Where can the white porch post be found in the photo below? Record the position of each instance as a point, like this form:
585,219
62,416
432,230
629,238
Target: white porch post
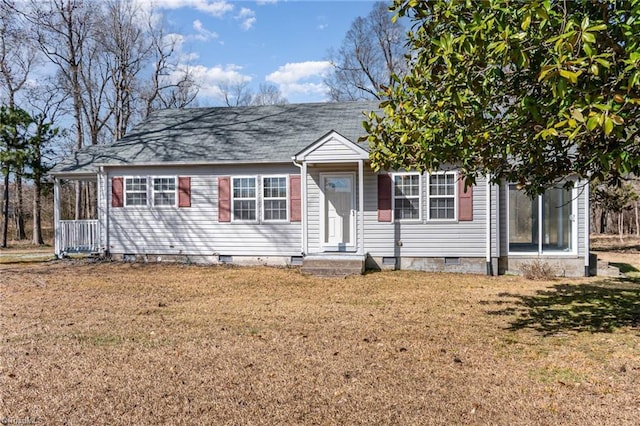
305,221
56,217
361,206
102,211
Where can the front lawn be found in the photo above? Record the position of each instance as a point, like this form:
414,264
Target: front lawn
100,343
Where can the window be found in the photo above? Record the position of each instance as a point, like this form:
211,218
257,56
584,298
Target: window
541,224
442,196
274,198
406,196
164,191
244,199
135,191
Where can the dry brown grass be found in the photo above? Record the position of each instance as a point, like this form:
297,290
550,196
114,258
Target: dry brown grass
168,344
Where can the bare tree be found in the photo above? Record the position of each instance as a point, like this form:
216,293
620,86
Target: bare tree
18,56
47,103
268,94
62,30
170,86
371,52
127,48
236,93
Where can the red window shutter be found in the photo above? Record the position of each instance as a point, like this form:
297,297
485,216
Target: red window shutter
295,199
117,192
184,191
384,198
224,199
465,202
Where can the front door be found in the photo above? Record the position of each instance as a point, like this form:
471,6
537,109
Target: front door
338,211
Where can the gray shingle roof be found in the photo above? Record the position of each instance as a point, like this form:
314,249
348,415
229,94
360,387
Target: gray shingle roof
223,135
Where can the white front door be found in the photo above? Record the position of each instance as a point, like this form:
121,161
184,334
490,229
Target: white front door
338,211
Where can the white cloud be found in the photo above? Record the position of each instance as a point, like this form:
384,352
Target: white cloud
322,26
263,2
216,8
294,72
301,78
248,18
203,34
209,79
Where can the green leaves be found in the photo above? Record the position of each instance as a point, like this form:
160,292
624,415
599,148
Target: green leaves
529,94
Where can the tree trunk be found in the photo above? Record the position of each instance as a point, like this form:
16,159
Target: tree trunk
621,226
603,221
637,220
5,213
37,210
19,211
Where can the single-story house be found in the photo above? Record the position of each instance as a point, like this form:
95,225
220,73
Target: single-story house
292,185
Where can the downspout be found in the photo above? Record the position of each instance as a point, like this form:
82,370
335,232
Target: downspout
303,203
361,206
587,219
488,230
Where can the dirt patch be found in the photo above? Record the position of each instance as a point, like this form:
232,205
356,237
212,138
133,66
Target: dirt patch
87,343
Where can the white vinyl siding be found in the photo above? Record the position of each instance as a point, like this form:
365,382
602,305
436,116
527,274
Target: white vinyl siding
196,230
333,149
425,238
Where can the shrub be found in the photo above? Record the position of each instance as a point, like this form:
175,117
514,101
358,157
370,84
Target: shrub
537,270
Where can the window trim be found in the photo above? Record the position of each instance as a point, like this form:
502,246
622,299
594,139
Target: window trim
125,191
419,197
454,196
285,198
153,191
540,252
255,198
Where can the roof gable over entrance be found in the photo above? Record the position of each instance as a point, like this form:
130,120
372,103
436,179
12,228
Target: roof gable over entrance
332,147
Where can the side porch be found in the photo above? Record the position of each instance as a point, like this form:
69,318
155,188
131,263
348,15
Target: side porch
77,235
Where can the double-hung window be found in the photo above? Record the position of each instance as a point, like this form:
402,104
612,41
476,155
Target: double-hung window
442,196
406,196
244,204
274,198
164,191
543,223
135,191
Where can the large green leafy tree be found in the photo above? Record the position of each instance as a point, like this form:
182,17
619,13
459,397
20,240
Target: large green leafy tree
530,92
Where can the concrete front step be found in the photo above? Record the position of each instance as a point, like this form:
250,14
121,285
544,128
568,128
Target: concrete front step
607,270
333,266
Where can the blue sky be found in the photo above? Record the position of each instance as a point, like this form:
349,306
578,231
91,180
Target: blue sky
280,42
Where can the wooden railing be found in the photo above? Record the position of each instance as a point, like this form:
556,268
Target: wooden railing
78,236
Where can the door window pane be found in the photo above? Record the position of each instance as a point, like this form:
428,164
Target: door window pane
557,213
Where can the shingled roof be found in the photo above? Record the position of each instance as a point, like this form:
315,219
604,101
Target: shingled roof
262,134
